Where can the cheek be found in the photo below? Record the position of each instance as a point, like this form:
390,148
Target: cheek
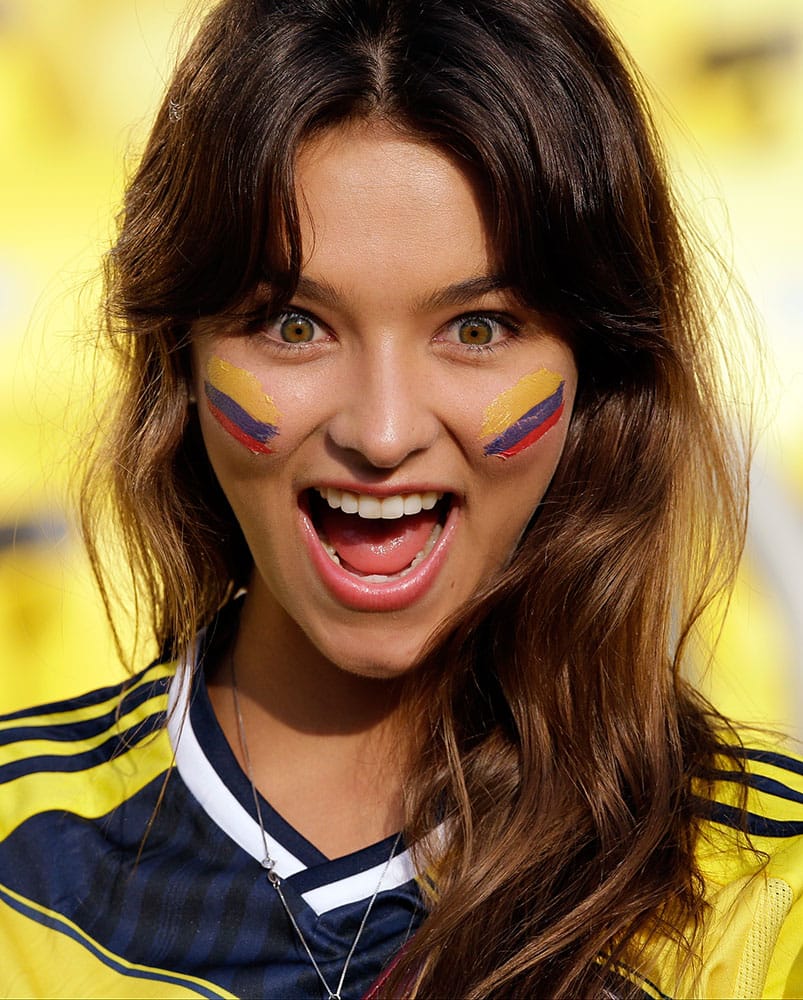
520,416
237,401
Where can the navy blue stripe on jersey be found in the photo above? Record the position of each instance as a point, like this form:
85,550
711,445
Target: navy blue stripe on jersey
751,823
773,787
351,864
96,697
116,744
54,923
73,729
761,783
770,757
87,729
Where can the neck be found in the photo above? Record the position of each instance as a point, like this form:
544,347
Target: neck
326,746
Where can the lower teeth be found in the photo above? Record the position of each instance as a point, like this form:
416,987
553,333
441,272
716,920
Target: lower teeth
379,577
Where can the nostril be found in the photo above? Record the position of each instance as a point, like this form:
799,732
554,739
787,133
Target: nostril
379,442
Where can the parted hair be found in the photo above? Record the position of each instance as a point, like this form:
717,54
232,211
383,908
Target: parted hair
562,753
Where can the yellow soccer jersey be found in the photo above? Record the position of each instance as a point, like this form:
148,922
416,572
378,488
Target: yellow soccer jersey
751,944
115,882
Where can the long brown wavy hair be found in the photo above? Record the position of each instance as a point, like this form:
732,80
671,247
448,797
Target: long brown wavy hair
560,740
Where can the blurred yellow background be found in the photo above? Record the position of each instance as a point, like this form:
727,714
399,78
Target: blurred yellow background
79,80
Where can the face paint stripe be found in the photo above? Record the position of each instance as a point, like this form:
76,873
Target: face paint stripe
512,440
252,444
516,402
523,427
244,387
249,425
533,436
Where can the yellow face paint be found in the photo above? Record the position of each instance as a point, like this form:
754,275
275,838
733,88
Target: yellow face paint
240,405
521,415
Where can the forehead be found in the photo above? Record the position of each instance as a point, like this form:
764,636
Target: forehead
387,212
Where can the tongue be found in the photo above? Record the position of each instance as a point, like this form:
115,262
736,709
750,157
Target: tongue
377,546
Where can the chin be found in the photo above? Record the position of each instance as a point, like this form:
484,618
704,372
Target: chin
376,656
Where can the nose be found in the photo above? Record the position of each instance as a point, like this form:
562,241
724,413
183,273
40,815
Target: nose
389,411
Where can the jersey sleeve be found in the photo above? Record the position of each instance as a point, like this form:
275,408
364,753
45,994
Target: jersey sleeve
785,966
752,863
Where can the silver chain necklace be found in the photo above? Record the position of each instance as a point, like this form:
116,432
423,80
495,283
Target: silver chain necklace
269,864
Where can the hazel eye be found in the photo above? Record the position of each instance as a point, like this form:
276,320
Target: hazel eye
478,334
297,330
476,331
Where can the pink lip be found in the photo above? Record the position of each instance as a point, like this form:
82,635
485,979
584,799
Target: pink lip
392,595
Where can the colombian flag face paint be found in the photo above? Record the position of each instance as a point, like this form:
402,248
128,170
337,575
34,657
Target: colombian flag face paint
236,400
522,415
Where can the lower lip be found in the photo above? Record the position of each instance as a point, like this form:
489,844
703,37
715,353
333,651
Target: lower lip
390,595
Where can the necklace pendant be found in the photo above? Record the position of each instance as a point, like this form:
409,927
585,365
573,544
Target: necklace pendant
270,870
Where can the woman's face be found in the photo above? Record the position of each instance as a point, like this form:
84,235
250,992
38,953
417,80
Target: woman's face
383,441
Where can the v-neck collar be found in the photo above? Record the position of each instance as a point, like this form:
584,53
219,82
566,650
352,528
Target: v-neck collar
209,769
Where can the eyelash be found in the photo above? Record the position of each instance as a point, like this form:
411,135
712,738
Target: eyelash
508,325
259,323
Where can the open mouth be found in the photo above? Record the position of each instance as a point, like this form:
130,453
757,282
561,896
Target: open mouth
378,539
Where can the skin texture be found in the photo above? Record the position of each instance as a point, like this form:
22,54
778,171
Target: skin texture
384,399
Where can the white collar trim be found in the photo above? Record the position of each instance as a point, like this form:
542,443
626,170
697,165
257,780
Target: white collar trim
207,787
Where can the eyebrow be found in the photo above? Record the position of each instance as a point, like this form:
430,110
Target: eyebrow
461,292
457,294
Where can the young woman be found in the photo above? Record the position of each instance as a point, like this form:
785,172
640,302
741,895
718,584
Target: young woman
424,479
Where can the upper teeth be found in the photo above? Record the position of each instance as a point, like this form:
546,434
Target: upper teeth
374,507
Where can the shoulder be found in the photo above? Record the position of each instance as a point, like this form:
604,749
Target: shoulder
750,854
80,782
70,755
